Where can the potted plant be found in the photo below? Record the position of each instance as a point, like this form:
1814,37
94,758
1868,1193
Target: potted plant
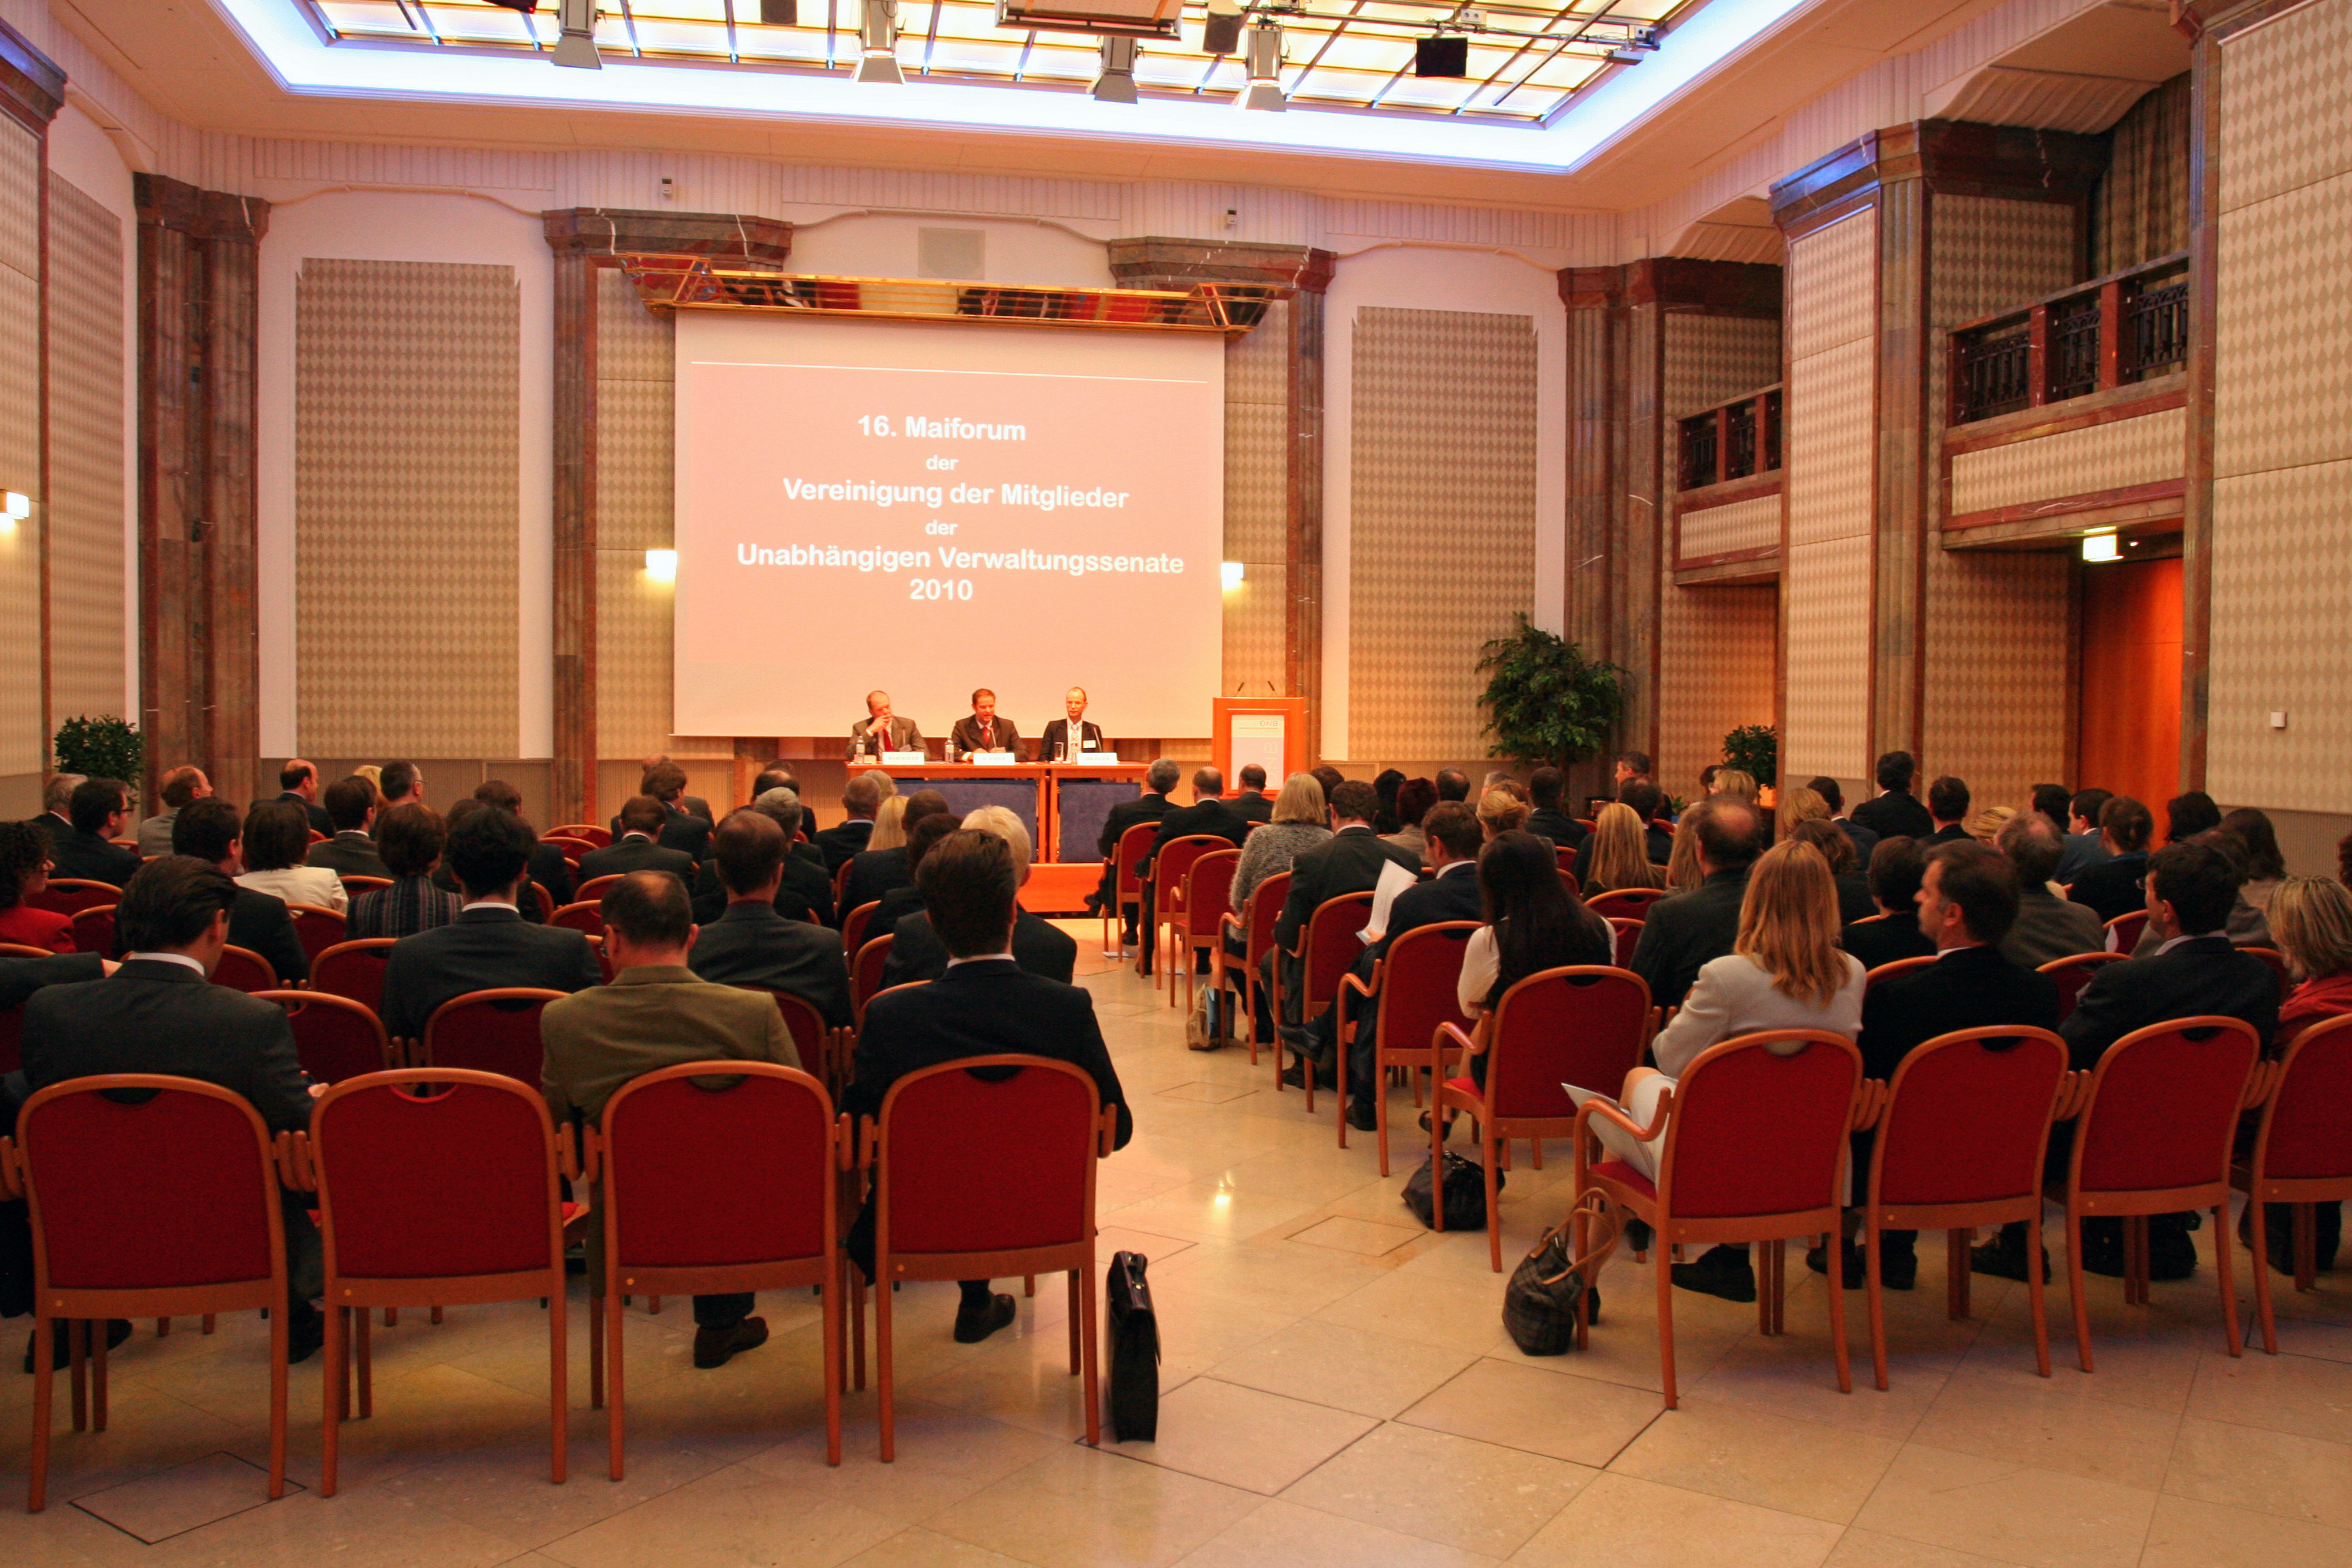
104,747
1754,750
1545,700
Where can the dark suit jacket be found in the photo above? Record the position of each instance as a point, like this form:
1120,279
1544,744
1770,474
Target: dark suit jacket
1146,807
551,870
159,1017
872,873
2204,975
1251,805
1877,941
806,893
1897,814
1682,934
481,950
891,909
982,1008
1557,826
259,923
965,737
1854,902
1660,841
842,840
905,735
636,853
1865,840
1968,988
1038,947
20,977
1951,833
92,858
2112,887
752,944
350,853
1349,861
1209,817
1049,746
320,821
1450,895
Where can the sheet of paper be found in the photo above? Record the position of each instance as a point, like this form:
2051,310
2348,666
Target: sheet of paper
1395,879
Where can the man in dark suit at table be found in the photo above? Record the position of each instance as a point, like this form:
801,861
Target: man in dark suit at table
489,944
1039,947
209,831
882,731
1349,861
1151,807
1896,813
351,852
752,942
874,872
1252,804
1068,739
985,730
98,807
1682,934
1209,815
861,797
984,1004
638,847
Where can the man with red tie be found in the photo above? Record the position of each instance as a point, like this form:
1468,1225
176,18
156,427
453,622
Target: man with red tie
985,730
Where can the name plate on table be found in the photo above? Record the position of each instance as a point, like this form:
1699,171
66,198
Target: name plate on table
994,759
1090,757
904,758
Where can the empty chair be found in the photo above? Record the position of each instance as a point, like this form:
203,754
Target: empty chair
1412,991
2073,972
494,1031
335,1037
1327,945
854,925
2302,1152
354,969
826,1053
66,895
1628,938
1195,925
573,847
586,916
2124,931
587,832
593,891
2277,960
1127,887
1894,969
354,886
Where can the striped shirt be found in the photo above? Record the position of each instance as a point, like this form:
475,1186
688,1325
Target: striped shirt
410,905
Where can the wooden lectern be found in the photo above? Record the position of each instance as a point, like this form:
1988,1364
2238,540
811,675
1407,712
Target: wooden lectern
1269,731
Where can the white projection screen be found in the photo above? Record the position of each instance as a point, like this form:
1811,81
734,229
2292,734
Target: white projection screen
928,509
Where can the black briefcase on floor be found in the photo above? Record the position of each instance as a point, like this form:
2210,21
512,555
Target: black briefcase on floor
1134,1351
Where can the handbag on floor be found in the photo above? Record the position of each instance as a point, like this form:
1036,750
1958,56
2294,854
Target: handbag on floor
1539,1303
1134,1351
1465,1193
1205,1029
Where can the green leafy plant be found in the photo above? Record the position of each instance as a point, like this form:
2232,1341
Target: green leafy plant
1545,702
1754,750
105,747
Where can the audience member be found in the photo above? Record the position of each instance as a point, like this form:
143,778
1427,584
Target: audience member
1349,861
208,830
2085,845
1894,811
1628,765
875,870
1897,868
353,851
1532,925
807,891
1385,784
908,899
637,847
157,1014
2258,847
861,797
2312,919
1832,796
373,773
1038,946
2245,927
1986,824
2046,927
399,783
1799,804
2053,802
489,944
1252,803
1151,807
1545,788
1208,815
983,1004
1739,785
549,868
2187,816
1706,777
2112,887
410,838
298,784
1947,804
1649,803
1329,777
1298,826
180,785
98,807
1453,783
752,942
276,840
57,805
1414,798
1853,883
686,819
1682,935
1682,871
1616,853
889,827
655,1014
24,876
1500,811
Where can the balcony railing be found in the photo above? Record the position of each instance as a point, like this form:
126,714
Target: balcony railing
2108,333
1734,441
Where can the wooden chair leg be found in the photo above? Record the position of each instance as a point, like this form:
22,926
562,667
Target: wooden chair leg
436,1315
2074,1286
44,1387
1763,1271
392,1317
1436,1160
1091,1351
1494,1200
1028,1284
208,1322
653,1306
1876,1291
1957,1244
2037,1293
1076,1287
280,1373
362,1337
78,1358
856,1325
333,1396
2223,1265
1837,1310
1380,1117
596,1353
605,1321
885,1392
98,1374
2258,1233
831,1309
2306,1246
558,1372
1666,1331
163,1327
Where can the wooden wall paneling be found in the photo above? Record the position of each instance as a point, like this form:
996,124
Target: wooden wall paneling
1599,409
87,434
1900,458
2197,463
32,89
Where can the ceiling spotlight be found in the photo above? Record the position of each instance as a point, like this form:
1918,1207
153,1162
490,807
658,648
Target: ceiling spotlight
577,46
1115,83
1264,59
1221,33
877,34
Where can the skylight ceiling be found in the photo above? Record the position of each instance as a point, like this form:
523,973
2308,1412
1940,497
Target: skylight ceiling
1527,61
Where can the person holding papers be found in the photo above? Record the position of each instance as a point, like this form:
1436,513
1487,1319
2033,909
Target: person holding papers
882,731
985,730
1066,738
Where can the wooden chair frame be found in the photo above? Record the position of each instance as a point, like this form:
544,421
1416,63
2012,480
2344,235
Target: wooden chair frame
1603,903
2061,969
246,955
2251,1177
70,895
1310,1006
585,916
83,1307
853,923
1255,926
593,891
312,916
878,948
294,1002
377,944
1389,1052
586,832
1124,884
1183,937
423,1054
1894,969
1168,899
833,1049
92,914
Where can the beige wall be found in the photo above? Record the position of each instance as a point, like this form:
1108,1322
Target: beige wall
24,744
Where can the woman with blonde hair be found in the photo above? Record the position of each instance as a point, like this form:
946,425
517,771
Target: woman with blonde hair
1683,871
1295,825
1617,854
2311,920
1734,783
890,824
1800,805
1501,811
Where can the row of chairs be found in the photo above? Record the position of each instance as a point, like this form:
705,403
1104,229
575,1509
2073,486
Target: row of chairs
154,1196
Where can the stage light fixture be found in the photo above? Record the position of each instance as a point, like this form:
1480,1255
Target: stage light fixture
1231,573
577,43
779,12
2101,546
1221,34
1447,56
661,565
1115,81
877,34
1264,60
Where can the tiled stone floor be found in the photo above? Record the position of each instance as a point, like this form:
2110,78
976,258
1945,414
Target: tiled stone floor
1338,1389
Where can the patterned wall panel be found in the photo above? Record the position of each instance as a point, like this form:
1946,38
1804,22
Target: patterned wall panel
2283,384
1833,285
2286,105
1443,449
1825,724
635,424
2072,463
1991,255
2282,576
1751,524
2140,209
86,432
406,497
1827,447
632,658
1710,358
23,745
20,201
1257,488
1997,708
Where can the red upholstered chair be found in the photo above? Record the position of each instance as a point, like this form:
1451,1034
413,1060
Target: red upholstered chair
355,886
1196,922
587,832
2303,1150
93,930
2124,931
854,925
2277,960
1256,928
315,927
1960,1138
1412,991
66,895
20,950
353,969
2154,1136
437,1186
1754,1150
335,1037
574,847
1327,945
316,838
840,882
1168,869
244,970
1584,1025
591,891
586,917
537,894
165,1207
1127,887
1895,968
12,1019
494,1031
866,973
984,1177
1567,859
1624,903
824,1053
1629,937
596,941
2073,972
714,1189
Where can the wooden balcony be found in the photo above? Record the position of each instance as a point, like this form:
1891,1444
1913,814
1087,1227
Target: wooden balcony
2128,327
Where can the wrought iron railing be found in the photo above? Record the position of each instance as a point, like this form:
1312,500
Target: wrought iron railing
1735,440
2108,333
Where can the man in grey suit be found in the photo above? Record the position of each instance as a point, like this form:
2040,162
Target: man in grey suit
2047,927
751,943
882,731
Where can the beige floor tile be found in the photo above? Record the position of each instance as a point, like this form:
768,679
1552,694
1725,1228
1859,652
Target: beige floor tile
921,1548
2190,1534
183,1497
1794,1374
1246,1438
146,1431
1752,1455
1268,1277
728,1519
1285,1535
2153,1371
502,1489
1520,1406
2281,1393
2008,1512
2301,1336
1434,1308
943,1456
1441,1488
1348,1369
1365,1238
1210,1211
1082,1508
2056,1427
1629,1523
366,1529
1868,1549
1026,1382
2273,1472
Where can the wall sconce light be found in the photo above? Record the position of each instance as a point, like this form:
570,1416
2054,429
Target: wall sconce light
13,508
1231,573
661,565
2101,546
